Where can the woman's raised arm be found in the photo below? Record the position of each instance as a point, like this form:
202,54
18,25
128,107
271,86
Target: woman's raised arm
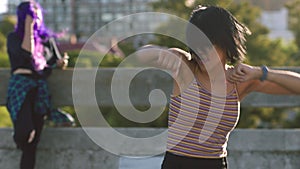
28,39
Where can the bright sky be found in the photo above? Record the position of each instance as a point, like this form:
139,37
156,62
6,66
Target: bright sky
3,6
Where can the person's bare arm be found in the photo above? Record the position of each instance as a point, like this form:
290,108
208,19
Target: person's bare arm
161,57
287,79
173,59
28,39
276,82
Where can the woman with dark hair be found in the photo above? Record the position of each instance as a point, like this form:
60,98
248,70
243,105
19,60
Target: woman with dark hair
204,106
33,54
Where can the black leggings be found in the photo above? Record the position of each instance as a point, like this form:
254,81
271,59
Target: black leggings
27,121
172,161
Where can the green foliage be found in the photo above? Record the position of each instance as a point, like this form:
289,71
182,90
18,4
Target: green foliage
92,59
127,47
293,7
260,49
259,118
7,24
293,118
110,60
271,52
168,32
73,54
115,119
269,118
168,6
182,9
4,61
2,43
5,120
294,20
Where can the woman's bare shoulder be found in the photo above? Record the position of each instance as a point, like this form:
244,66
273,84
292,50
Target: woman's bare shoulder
245,88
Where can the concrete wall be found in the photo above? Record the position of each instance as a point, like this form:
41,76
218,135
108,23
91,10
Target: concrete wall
70,148
264,149
63,148
64,87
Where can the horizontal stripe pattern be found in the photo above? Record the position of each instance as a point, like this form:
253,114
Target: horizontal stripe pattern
200,123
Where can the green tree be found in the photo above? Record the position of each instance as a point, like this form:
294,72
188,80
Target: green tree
294,25
4,62
294,19
7,24
2,43
183,8
260,49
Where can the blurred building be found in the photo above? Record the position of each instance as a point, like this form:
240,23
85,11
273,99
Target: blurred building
277,22
274,16
82,18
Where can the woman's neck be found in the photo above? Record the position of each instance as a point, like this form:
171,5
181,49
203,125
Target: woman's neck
214,79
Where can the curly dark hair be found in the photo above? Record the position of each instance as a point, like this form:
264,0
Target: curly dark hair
220,28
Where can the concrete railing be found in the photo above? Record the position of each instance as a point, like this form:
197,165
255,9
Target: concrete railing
60,84
71,148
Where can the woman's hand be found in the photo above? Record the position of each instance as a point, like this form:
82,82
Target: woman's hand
63,62
243,72
172,59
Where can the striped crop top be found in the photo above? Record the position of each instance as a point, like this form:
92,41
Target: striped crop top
200,123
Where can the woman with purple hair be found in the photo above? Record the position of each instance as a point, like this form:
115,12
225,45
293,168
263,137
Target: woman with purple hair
32,53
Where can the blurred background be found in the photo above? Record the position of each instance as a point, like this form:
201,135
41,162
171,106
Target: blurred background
275,41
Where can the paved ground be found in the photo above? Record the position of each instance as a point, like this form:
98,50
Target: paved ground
141,163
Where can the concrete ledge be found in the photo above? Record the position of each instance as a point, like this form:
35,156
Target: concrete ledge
265,140
71,148
59,148
63,87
